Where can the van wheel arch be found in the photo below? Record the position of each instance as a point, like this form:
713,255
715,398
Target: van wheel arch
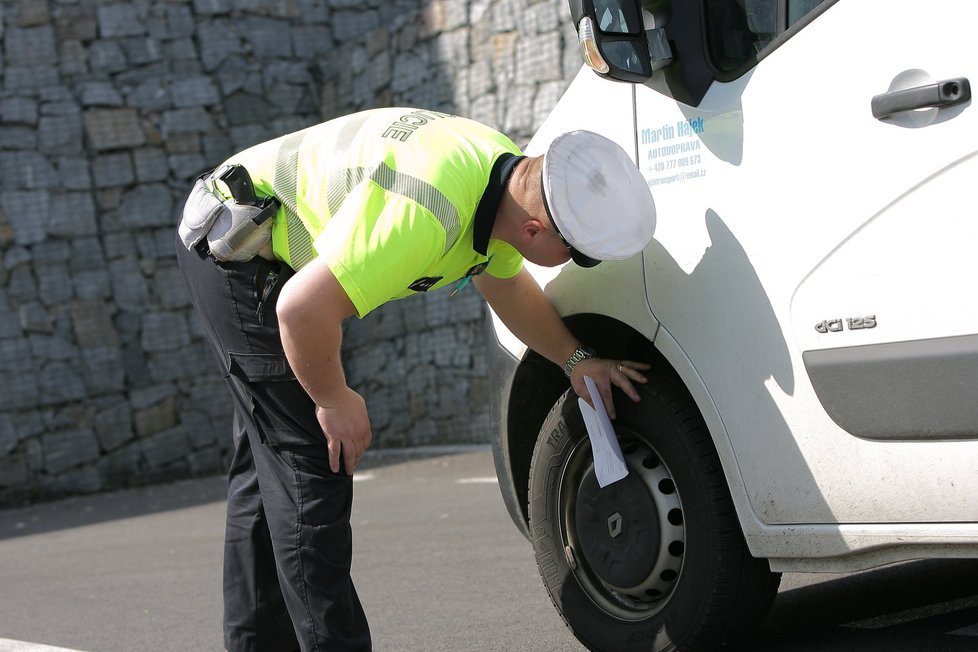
538,383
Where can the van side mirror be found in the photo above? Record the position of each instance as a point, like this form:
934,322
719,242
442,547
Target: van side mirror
615,42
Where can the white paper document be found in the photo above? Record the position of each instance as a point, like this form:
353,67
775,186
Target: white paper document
609,463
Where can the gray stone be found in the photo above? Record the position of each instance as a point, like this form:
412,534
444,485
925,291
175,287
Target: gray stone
75,173
18,137
27,171
244,108
28,424
22,110
165,446
120,467
147,205
164,331
86,254
79,23
310,41
210,7
9,328
113,425
180,364
221,42
45,348
265,37
169,287
200,429
92,284
110,170
28,212
15,356
74,58
182,52
151,94
8,435
144,397
58,382
15,256
185,143
179,21
129,288
182,121
53,284
106,57
72,215
113,129
538,59
31,47
150,164
20,390
187,165
82,480
118,244
155,418
14,474
92,324
50,252
34,318
119,20
194,91
141,51
103,370
31,14
68,448
21,286
350,24
99,93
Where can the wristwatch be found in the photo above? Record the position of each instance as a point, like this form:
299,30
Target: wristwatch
580,353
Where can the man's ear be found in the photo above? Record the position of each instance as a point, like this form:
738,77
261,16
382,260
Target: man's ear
532,228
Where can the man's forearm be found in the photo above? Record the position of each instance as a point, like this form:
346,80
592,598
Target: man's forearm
311,310
313,350
527,312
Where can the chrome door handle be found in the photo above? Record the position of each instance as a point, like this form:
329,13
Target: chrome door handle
943,93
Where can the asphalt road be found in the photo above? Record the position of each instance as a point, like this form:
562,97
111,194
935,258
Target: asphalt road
438,566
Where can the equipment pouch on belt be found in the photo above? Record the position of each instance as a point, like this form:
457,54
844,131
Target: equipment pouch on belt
235,231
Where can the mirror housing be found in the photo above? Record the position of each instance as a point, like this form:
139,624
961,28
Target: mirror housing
616,42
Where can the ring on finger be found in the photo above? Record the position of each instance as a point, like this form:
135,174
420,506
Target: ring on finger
621,367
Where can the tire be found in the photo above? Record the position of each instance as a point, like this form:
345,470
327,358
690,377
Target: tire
657,560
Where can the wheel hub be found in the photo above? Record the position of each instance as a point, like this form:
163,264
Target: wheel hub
628,537
617,529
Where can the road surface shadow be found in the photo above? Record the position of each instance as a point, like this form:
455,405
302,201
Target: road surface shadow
79,511
904,607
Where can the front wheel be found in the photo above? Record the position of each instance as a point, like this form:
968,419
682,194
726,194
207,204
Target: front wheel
655,561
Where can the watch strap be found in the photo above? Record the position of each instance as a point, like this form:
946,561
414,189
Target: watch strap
579,354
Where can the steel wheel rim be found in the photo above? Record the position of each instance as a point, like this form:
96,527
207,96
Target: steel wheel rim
640,599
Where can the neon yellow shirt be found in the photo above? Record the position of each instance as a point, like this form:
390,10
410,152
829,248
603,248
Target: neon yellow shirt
396,200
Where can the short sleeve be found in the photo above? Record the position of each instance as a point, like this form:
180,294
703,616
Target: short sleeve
377,244
506,261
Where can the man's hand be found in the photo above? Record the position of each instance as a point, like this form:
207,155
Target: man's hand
606,373
347,429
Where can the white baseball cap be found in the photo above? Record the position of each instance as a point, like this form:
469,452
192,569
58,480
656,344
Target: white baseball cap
596,198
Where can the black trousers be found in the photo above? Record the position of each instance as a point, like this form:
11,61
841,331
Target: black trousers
288,544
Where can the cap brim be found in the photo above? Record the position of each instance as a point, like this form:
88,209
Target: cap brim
582,260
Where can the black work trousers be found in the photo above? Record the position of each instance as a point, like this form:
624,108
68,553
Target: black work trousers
288,544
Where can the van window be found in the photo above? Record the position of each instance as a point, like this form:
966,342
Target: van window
738,31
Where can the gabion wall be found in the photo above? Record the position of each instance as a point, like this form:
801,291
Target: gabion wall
109,109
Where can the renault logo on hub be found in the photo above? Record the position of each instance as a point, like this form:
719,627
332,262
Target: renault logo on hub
615,522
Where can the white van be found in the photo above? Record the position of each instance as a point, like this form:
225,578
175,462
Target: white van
808,304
